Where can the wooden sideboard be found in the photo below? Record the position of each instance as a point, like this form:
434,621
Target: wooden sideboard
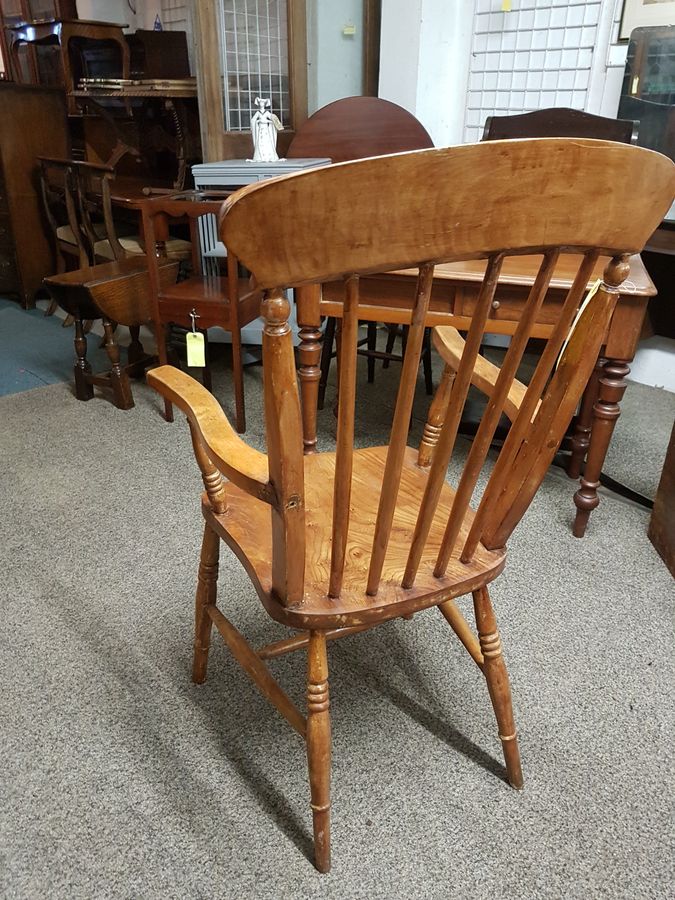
34,124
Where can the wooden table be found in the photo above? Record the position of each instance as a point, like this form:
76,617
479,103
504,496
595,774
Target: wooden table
388,298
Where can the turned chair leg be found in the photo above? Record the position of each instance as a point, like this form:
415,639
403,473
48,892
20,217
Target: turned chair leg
371,344
119,379
497,679
238,378
135,352
326,357
207,587
426,362
392,331
84,390
319,746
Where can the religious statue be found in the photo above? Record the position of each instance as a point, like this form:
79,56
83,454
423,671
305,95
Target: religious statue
264,128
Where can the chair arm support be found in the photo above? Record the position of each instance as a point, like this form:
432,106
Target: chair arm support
233,457
450,346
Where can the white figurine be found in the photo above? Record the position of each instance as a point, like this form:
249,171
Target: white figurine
264,128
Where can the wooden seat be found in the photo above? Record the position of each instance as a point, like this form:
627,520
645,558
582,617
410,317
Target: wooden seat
228,302
338,542
247,528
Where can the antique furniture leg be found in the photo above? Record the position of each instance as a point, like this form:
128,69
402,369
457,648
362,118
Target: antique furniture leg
582,426
606,411
83,389
372,346
391,340
426,362
238,377
308,299
326,358
137,358
119,379
319,746
497,679
206,596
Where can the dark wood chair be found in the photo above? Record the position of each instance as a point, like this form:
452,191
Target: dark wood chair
355,128
228,302
336,543
560,122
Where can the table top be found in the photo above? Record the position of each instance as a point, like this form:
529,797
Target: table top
521,271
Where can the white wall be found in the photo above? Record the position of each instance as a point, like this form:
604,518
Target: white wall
109,11
452,63
334,60
424,61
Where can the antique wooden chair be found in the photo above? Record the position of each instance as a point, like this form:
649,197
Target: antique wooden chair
336,543
559,121
228,302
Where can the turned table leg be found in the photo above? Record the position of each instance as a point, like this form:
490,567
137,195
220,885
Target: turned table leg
582,427
606,411
84,390
119,380
308,299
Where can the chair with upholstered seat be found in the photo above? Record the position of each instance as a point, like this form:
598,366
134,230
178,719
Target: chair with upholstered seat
338,542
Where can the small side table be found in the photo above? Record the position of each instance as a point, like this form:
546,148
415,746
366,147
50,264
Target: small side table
230,174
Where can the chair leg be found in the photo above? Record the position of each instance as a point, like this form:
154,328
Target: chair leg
372,346
135,352
119,379
426,362
319,746
207,586
326,357
83,389
392,331
206,371
497,679
238,378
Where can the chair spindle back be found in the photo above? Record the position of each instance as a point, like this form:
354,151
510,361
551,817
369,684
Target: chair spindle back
416,210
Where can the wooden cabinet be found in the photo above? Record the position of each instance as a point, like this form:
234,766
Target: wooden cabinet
34,124
12,12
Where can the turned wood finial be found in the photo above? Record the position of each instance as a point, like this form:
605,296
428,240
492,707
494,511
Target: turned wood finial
616,272
275,310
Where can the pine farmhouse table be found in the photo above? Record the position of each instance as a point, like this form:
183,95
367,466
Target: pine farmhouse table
388,298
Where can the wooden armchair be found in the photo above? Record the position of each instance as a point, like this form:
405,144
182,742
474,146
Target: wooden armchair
228,302
336,543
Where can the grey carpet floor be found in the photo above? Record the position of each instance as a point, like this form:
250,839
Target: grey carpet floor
122,779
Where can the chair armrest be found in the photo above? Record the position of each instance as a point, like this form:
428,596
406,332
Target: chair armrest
450,346
233,457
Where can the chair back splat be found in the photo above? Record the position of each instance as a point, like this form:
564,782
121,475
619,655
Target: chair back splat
542,196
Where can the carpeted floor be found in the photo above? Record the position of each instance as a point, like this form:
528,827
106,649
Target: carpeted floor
122,779
35,350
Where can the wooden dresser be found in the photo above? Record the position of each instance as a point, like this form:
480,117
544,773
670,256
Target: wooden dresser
32,123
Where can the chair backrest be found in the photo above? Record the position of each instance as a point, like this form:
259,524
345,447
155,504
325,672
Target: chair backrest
414,210
60,199
357,127
77,193
560,122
